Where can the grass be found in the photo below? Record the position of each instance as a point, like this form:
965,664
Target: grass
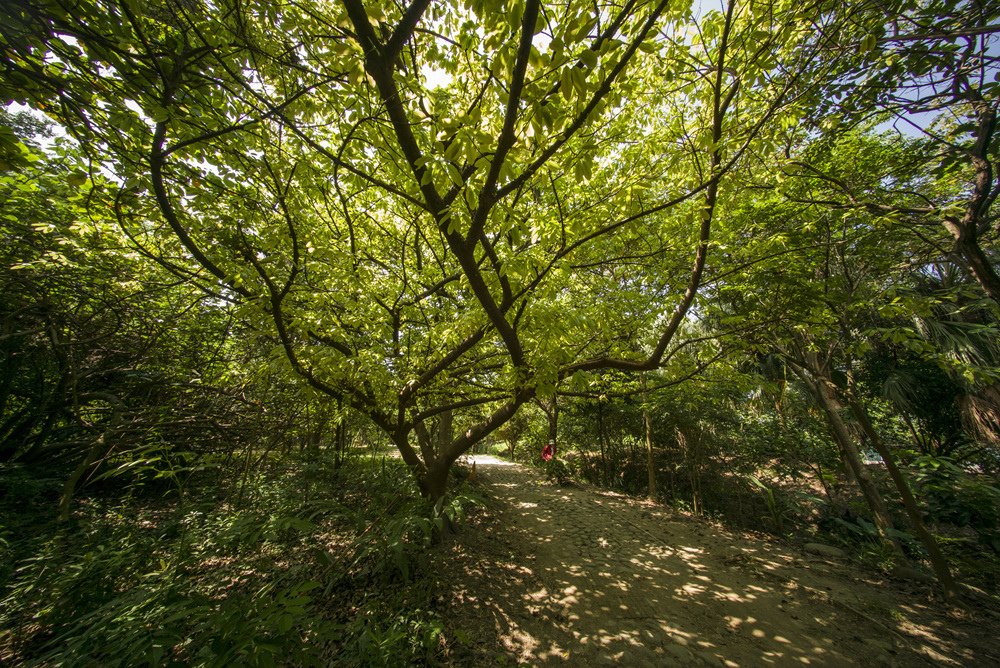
306,564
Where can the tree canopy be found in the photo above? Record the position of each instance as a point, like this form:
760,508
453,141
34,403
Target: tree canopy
439,211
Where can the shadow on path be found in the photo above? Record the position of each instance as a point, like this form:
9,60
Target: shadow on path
578,576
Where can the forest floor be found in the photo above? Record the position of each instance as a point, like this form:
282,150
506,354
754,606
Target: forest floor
575,575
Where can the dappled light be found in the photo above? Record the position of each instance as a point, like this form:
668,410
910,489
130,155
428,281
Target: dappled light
610,580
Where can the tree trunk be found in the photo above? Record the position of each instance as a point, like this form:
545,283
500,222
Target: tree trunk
445,431
938,561
602,438
825,393
650,468
980,267
431,467
434,482
977,213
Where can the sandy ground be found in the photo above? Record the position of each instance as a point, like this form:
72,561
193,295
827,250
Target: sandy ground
551,575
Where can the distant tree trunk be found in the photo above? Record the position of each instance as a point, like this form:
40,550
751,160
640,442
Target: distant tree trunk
632,452
98,449
696,468
318,422
340,436
938,561
340,444
306,440
691,464
672,471
602,439
818,470
650,468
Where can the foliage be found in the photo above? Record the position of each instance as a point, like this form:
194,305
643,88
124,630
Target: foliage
253,583
265,241
107,363
556,470
432,254
958,498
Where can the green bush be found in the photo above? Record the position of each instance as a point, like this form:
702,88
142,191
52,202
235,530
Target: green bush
955,497
500,450
558,471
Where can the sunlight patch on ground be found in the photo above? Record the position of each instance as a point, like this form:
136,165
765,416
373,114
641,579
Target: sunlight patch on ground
734,597
690,589
490,460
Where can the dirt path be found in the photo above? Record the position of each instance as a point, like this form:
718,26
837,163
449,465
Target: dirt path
577,576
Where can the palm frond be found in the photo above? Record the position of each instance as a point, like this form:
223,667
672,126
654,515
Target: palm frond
968,343
981,413
902,390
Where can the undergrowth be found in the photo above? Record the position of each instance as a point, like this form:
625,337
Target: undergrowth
303,564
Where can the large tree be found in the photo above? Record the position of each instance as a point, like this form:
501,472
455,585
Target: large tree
438,211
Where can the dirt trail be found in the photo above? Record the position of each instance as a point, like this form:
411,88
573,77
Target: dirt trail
578,576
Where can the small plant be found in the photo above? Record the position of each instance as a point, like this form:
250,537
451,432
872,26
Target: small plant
776,509
409,639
